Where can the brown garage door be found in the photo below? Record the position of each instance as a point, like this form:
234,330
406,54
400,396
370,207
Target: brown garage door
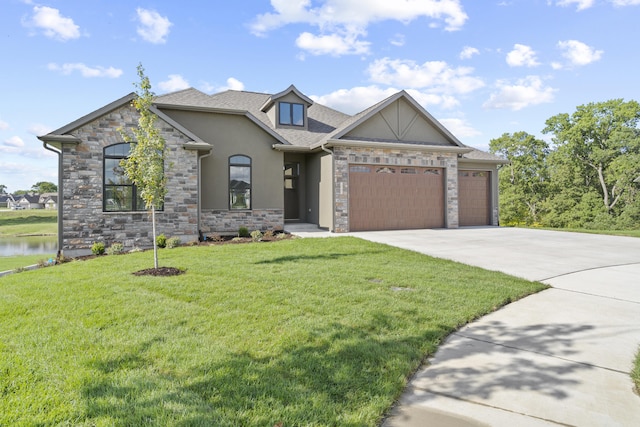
473,198
394,198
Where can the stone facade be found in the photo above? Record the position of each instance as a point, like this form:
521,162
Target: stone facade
344,156
84,221
228,222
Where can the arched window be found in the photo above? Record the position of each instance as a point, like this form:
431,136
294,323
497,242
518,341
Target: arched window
119,194
239,182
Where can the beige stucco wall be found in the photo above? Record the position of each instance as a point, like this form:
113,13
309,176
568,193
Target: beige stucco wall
231,135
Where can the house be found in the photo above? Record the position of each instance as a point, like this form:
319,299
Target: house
30,201
49,200
259,160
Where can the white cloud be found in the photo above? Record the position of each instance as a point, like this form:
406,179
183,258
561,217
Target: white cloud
52,24
39,129
359,13
342,22
582,4
153,27
522,56
625,2
332,44
14,141
234,84
523,93
577,53
354,100
468,52
438,76
460,128
397,40
4,125
175,82
85,71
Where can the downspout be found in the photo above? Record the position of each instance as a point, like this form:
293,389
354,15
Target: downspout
199,188
60,197
333,187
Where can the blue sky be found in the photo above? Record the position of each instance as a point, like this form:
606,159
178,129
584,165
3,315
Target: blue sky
482,68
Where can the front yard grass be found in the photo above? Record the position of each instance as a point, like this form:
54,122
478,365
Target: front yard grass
313,332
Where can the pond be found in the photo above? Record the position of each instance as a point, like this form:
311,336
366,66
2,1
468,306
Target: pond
32,245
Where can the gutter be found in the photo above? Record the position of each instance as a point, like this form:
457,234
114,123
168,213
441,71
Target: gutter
60,198
396,145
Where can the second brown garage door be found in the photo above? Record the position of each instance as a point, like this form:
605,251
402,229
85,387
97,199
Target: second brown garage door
473,198
394,198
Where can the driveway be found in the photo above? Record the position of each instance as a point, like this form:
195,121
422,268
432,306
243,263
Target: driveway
560,357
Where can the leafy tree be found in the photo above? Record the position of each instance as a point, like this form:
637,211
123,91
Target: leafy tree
44,187
145,164
524,181
598,150
3,189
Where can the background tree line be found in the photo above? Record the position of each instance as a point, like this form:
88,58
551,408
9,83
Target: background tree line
588,177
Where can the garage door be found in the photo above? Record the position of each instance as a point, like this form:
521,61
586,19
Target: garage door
473,198
394,198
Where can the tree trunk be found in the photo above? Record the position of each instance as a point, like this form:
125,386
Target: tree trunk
155,243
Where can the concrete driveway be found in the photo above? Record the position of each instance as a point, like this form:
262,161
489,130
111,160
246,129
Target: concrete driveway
560,357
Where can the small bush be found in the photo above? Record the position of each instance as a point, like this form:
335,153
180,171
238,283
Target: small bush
97,248
173,242
256,235
216,237
115,249
161,241
237,239
268,234
243,232
281,236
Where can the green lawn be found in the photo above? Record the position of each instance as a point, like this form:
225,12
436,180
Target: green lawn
18,261
28,222
635,373
314,332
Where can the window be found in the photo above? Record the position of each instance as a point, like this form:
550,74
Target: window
291,114
239,182
120,194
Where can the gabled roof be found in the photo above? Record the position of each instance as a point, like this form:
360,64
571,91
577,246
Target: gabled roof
64,134
291,89
359,118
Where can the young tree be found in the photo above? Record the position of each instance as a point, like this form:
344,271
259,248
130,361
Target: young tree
145,164
600,143
3,189
524,181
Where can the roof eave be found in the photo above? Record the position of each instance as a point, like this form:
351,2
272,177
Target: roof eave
396,145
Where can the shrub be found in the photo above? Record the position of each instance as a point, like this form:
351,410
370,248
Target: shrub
115,249
216,237
268,234
256,235
161,241
243,232
97,248
281,236
173,242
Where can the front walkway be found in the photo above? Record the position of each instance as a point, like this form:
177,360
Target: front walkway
560,357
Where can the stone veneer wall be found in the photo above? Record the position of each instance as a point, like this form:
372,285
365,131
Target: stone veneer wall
84,221
229,221
344,156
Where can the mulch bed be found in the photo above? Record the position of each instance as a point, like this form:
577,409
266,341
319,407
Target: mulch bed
160,271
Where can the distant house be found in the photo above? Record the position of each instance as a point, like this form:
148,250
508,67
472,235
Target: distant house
49,201
258,160
4,201
30,201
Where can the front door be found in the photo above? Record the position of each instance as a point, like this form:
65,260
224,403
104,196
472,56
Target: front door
291,199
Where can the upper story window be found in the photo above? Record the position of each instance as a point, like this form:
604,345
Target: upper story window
291,114
239,182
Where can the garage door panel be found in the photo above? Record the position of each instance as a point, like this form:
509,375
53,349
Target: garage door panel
385,198
474,191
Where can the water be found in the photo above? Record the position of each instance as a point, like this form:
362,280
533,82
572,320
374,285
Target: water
33,245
